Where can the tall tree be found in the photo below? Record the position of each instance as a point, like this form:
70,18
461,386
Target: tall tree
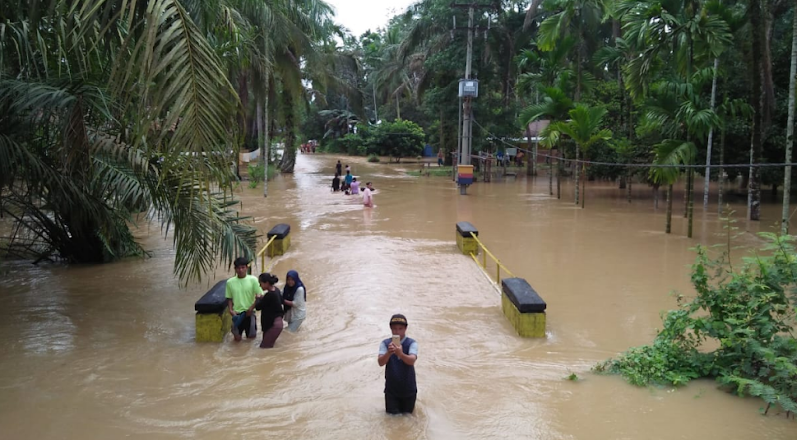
784,222
87,145
584,128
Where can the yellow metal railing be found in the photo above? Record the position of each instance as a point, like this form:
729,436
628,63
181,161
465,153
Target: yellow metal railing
262,253
483,264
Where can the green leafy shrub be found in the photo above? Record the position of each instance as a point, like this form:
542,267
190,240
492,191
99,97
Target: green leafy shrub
255,171
373,158
396,139
747,312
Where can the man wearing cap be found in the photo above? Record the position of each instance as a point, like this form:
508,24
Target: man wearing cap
400,389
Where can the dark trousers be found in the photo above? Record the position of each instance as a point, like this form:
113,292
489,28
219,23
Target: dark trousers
271,334
399,405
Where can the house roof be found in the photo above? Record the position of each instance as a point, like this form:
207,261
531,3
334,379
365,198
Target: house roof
536,127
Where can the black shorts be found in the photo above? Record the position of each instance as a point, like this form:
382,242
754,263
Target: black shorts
399,405
248,325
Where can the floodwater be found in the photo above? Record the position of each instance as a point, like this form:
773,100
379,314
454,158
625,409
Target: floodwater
107,351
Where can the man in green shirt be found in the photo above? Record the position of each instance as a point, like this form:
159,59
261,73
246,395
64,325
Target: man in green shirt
241,292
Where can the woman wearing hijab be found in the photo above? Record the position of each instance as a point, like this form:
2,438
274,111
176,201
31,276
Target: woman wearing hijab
294,298
270,305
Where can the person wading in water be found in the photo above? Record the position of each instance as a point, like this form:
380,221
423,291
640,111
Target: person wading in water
271,313
241,291
399,353
294,296
368,199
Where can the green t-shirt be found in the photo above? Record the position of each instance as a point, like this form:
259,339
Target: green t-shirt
242,291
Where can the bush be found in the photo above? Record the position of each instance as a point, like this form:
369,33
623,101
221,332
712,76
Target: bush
373,158
396,139
255,172
748,313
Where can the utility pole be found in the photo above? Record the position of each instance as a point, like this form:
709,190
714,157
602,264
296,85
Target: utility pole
467,94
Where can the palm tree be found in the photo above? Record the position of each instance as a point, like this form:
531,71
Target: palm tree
784,222
674,30
580,19
555,105
668,28
679,113
85,146
669,154
584,128
543,69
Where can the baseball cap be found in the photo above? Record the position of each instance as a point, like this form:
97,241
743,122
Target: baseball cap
398,319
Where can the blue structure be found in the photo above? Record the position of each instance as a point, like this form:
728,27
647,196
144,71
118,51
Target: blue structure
427,151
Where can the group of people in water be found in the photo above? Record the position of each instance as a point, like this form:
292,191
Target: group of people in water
246,293
350,186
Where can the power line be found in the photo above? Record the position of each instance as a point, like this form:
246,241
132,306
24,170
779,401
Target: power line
639,165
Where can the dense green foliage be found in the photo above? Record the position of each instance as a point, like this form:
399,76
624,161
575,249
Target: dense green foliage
256,173
746,312
649,63
395,139
114,112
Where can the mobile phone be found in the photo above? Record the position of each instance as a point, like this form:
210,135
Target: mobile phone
397,339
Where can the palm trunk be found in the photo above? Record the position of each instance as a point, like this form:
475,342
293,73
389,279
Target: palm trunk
289,153
628,183
376,108
784,220
577,176
577,96
261,140
583,184
721,176
668,226
710,135
691,201
655,196
531,164
558,176
757,96
398,109
550,172
442,136
686,195
266,147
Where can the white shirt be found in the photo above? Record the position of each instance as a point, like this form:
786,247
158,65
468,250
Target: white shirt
298,311
367,199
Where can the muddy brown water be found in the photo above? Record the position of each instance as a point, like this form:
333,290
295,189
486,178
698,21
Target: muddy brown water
108,351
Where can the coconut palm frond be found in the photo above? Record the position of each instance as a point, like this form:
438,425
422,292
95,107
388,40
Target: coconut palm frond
671,152
183,84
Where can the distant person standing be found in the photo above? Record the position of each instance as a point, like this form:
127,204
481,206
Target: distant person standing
339,169
368,199
349,178
336,183
355,186
348,168
294,297
241,291
440,157
399,354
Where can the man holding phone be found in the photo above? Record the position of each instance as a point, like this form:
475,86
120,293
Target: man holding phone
399,353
